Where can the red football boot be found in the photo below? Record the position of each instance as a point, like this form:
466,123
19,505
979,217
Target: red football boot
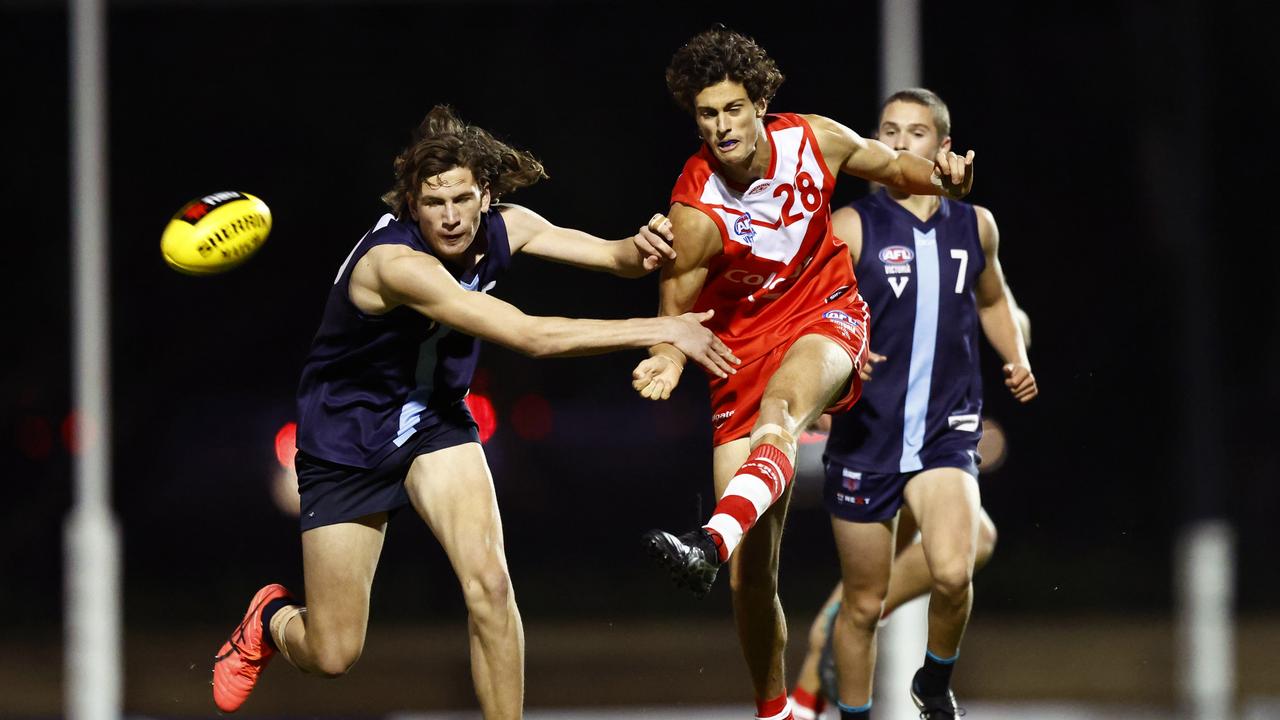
244,654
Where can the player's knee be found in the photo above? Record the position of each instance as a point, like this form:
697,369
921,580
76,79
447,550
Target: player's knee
487,588
952,577
778,408
337,660
862,609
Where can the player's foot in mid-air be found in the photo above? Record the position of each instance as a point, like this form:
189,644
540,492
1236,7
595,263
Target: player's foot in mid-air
692,558
244,654
934,707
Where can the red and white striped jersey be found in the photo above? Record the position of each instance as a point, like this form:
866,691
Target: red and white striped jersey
780,260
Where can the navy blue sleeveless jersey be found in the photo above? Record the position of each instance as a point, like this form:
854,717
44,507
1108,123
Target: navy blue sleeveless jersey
371,381
923,405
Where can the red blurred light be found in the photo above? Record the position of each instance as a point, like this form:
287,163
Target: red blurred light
287,444
35,437
812,437
486,418
76,432
531,417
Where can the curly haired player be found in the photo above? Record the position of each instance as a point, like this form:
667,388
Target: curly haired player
752,223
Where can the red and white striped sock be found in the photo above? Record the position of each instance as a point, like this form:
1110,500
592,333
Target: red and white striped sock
778,708
757,485
806,705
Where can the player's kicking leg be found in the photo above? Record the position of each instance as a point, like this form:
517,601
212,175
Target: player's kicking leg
945,502
324,638
453,492
813,374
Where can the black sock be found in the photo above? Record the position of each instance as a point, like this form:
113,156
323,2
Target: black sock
854,713
934,677
268,612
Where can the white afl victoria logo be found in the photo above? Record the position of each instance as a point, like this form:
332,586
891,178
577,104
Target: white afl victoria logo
897,255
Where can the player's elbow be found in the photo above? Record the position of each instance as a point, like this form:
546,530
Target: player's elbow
533,340
533,345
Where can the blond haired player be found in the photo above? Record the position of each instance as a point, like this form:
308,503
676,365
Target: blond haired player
930,270
752,222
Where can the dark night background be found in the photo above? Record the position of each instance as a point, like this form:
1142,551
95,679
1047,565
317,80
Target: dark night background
1124,149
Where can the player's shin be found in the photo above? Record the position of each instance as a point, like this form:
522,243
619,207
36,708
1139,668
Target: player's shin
758,484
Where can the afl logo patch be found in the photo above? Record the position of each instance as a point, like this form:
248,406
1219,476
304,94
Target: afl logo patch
742,228
844,323
897,255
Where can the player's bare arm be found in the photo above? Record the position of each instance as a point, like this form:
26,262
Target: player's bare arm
999,313
846,151
648,249
698,241
389,276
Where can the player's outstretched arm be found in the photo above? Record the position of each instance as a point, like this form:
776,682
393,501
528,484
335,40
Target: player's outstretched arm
999,314
648,249
846,151
389,276
698,241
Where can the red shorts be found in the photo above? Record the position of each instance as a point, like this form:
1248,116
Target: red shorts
735,400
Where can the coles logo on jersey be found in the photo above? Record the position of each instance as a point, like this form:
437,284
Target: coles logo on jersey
742,228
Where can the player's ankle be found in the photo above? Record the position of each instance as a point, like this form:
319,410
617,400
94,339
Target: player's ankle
849,712
268,612
934,677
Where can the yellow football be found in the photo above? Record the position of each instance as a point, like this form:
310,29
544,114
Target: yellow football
215,233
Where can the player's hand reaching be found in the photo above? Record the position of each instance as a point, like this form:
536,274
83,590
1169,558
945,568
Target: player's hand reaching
953,173
865,371
700,344
653,242
1021,382
656,377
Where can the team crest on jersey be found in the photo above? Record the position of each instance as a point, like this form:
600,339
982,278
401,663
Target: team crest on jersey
851,479
897,255
742,228
897,259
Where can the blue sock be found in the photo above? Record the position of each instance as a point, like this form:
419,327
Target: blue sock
934,677
862,712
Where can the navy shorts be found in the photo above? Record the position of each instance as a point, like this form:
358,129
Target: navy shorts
333,493
867,497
